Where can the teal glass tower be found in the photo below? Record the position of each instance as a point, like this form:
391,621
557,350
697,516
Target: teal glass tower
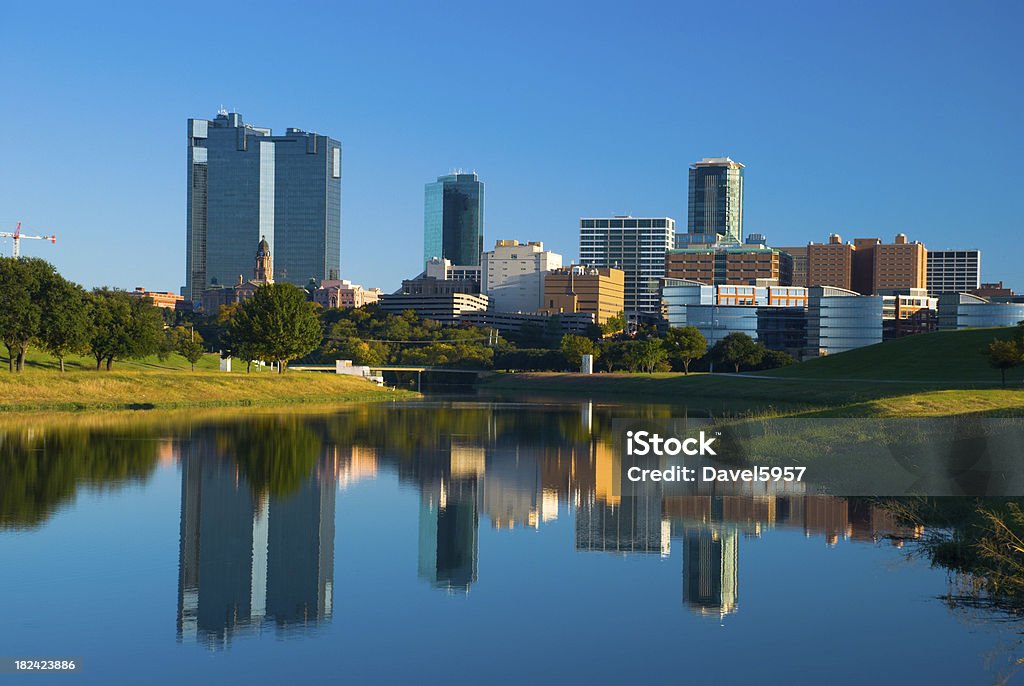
244,184
453,219
715,201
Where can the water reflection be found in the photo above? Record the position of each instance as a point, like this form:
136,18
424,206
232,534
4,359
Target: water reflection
257,535
258,498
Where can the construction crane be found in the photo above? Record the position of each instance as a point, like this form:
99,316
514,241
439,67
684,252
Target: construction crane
18,235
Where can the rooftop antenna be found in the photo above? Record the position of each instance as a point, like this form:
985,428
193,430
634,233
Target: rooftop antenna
221,110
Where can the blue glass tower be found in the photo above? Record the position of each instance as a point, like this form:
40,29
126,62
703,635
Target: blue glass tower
453,219
245,183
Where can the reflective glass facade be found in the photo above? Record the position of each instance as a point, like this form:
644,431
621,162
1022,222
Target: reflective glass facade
840,320
716,199
244,184
965,311
715,322
453,219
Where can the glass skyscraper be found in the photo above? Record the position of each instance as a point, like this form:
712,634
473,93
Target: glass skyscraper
716,200
453,219
245,183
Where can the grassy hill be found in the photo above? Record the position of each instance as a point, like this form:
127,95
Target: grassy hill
946,358
937,374
152,383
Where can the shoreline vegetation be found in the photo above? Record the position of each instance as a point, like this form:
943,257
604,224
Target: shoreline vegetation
929,375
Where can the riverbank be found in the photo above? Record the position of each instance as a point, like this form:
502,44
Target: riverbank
45,390
746,394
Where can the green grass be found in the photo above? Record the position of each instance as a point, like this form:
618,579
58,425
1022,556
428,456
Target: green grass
45,389
947,358
937,374
37,359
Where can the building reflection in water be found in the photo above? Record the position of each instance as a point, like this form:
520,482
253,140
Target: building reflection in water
249,559
711,527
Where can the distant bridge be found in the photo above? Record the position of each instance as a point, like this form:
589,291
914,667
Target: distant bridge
378,370
381,368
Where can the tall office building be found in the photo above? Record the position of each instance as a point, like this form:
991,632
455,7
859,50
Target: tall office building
244,183
637,247
716,200
953,271
453,219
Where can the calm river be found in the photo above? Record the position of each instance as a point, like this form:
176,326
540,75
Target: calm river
445,543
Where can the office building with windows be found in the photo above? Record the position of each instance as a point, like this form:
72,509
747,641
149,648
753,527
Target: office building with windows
716,200
748,264
245,183
798,255
574,289
953,271
453,219
513,275
637,246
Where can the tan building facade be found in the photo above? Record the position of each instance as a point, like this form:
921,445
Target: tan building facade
691,265
344,294
867,266
899,264
597,290
168,301
748,265
830,264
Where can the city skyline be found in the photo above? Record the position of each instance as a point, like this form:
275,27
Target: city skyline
925,118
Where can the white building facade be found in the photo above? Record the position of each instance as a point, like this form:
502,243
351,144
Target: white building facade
513,275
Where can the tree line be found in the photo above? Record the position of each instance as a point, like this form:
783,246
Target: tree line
41,309
676,349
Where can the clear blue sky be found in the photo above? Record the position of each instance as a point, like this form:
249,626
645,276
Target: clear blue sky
864,118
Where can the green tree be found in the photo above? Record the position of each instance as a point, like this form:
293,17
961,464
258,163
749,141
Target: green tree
64,327
277,323
1003,355
575,347
189,345
738,349
684,345
773,359
612,354
123,326
21,304
644,356
614,324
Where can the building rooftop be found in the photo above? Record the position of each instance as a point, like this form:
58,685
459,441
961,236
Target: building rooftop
718,162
